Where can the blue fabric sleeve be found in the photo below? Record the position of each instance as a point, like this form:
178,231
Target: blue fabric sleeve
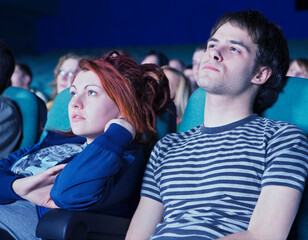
89,177
7,195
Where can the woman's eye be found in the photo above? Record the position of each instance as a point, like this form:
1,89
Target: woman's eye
72,94
92,93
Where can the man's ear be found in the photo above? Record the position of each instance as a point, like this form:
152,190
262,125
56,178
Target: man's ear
262,75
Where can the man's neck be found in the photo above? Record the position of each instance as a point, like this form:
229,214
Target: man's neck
220,111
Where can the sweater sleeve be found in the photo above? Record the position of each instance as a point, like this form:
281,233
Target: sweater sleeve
10,126
89,176
7,177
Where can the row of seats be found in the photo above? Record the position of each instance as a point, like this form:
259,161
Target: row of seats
33,114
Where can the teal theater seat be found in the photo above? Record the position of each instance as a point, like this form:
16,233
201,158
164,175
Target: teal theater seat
33,113
194,111
58,115
292,104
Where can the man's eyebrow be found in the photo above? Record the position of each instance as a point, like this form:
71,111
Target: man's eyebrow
240,43
212,39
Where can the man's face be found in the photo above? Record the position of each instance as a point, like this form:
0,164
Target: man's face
227,65
18,79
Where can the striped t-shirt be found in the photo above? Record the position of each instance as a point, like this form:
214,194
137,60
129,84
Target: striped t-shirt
209,179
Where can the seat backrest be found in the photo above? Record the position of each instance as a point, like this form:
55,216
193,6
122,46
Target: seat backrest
58,115
292,104
194,111
33,113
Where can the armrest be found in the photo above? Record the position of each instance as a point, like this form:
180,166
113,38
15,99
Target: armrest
65,224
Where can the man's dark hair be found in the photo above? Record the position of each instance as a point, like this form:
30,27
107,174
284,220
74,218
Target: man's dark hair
272,52
7,66
25,69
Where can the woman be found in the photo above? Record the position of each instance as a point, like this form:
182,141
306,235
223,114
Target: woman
63,74
180,90
98,169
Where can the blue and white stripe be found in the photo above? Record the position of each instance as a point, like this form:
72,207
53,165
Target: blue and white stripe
209,179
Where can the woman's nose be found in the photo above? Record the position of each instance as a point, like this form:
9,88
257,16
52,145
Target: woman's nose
76,102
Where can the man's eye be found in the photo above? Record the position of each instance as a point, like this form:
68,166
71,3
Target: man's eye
211,46
234,49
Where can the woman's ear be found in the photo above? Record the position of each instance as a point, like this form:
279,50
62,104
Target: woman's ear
262,75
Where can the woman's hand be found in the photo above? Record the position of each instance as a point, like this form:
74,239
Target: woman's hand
124,123
36,188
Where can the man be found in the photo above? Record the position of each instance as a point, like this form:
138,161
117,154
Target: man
239,176
10,120
22,78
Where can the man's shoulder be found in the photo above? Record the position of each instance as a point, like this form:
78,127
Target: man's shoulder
7,106
179,138
277,127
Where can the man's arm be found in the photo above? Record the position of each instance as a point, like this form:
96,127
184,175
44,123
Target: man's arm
148,214
273,215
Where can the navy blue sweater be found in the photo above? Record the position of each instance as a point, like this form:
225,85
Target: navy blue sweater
105,177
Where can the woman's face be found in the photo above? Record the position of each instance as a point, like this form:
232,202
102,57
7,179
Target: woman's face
173,82
90,107
66,73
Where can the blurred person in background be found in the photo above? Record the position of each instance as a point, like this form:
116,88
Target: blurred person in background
298,68
180,90
155,57
196,59
22,78
64,74
177,64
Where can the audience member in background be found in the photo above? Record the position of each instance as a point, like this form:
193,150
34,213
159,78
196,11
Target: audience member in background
155,57
88,168
196,59
177,64
123,52
180,90
64,74
238,175
22,78
10,119
298,68
188,72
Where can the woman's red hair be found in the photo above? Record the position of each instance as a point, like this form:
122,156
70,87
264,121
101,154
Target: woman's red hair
119,89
